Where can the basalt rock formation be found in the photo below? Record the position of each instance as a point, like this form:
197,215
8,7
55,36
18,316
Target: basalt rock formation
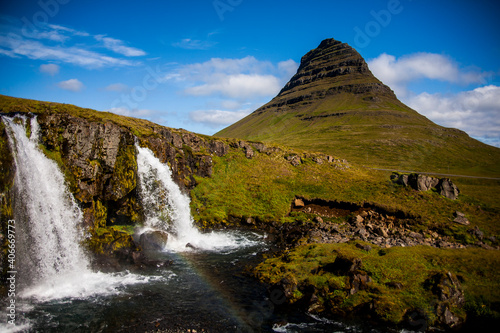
335,105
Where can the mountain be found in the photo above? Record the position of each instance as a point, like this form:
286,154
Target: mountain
335,105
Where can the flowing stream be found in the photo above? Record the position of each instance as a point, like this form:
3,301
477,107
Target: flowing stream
204,289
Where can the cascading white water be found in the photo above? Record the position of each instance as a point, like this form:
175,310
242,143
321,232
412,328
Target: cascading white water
167,208
50,259
41,196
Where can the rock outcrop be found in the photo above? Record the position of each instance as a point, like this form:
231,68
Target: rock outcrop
419,182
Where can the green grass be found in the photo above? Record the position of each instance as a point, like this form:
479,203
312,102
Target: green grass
139,127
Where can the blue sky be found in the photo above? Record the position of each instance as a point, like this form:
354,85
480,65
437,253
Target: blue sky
203,64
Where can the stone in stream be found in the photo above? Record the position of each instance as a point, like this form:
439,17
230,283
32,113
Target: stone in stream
153,240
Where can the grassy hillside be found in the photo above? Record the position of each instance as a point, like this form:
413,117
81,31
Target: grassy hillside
9,104
335,105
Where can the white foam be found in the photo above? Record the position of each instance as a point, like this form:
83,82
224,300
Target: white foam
82,286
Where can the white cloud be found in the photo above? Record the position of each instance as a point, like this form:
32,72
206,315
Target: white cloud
194,44
217,118
238,86
51,69
58,43
15,46
288,68
397,73
69,30
476,111
119,87
247,65
119,46
71,85
243,78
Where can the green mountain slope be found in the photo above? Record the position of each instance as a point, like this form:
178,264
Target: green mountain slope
334,105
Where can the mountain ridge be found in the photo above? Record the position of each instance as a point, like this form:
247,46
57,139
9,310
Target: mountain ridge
335,105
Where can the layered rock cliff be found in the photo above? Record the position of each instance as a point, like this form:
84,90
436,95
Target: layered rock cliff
330,69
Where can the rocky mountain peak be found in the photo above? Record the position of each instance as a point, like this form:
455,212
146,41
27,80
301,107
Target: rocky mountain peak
333,64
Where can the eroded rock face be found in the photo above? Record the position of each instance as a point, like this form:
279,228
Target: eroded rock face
329,61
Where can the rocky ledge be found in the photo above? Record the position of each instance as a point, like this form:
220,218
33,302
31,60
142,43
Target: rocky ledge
368,223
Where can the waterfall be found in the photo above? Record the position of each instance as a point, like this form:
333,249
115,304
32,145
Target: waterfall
167,209
41,196
49,257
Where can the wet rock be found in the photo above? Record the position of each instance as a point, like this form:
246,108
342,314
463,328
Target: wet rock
314,304
288,286
141,259
153,240
249,220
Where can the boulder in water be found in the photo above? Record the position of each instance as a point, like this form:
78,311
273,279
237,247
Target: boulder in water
153,240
